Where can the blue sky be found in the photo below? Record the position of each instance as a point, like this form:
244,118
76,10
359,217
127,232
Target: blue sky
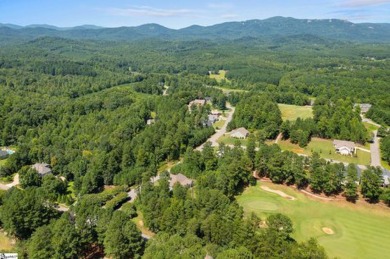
179,14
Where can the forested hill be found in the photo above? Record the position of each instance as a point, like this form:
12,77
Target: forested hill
267,29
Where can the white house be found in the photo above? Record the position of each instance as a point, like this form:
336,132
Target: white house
344,147
241,133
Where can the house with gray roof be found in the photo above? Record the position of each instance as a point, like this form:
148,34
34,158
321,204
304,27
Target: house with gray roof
42,168
241,133
3,154
344,147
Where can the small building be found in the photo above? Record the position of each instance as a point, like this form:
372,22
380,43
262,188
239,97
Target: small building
42,169
344,147
386,178
213,118
3,154
197,102
364,107
241,133
150,121
181,179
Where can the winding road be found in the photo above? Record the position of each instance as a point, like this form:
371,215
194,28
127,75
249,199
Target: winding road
213,139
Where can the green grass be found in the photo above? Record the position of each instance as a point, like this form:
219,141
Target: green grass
360,230
219,124
370,127
3,161
6,244
220,76
326,150
292,112
226,139
385,164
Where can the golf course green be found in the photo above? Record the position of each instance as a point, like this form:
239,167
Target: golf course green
357,230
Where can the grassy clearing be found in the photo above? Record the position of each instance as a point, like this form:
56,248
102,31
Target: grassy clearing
360,230
219,124
385,164
370,127
3,161
292,112
326,150
220,76
226,139
6,244
139,221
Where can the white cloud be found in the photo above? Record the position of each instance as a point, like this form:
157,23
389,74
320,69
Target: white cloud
151,12
220,6
360,3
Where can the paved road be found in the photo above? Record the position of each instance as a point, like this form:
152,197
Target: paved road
375,153
9,185
213,139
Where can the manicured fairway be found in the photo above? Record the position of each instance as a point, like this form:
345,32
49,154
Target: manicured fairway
292,112
360,230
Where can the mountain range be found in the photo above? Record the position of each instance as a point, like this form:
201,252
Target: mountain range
267,29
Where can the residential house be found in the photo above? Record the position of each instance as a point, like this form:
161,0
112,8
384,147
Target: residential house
181,179
42,169
364,107
3,154
150,121
344,147
386,178
174,178
197,102
241,133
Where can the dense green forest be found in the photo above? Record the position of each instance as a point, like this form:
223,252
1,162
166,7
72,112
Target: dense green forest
83,106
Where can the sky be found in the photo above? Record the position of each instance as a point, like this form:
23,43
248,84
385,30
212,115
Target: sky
178,14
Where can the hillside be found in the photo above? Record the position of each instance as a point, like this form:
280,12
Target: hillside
271,28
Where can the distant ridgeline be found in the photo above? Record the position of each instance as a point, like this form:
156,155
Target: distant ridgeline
268,29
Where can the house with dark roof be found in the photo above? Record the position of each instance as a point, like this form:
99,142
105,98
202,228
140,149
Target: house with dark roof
344,147
42,168
3,154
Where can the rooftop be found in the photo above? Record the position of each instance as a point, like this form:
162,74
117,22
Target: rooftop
343,143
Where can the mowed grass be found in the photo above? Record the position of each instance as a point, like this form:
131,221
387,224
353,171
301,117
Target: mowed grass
326,150
227,140
360,230
370,127
292,112
6,244
219,124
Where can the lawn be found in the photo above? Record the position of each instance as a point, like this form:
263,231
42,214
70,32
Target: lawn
6,244
226,139
3,161
360,230
292,112
219,124
326,150
370,127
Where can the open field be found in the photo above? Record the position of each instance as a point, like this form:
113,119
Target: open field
326,150
359,230
220,76
6,244
292,112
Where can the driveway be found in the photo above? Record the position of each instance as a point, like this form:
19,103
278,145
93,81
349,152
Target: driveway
213,139
375,153
9,185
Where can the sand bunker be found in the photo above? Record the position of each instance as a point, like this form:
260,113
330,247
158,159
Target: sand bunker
280,193
328,231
